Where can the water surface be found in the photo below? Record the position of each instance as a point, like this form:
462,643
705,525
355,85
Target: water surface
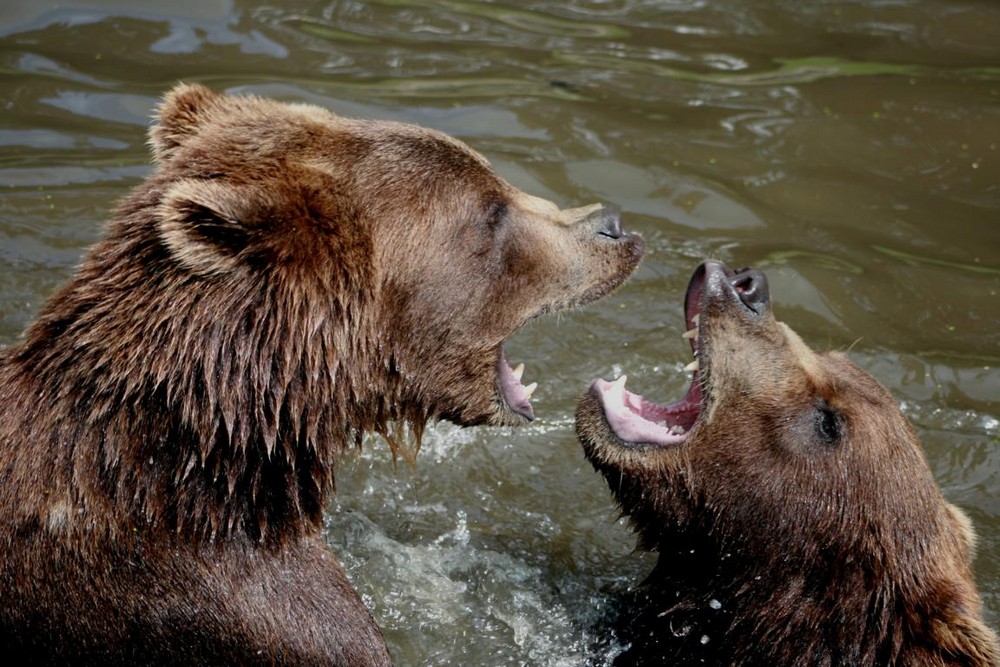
849,149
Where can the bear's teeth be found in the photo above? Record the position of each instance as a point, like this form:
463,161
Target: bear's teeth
693,366
694,320
518,372
677,429
530,389
690,334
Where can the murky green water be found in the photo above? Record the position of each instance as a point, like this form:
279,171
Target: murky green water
849,149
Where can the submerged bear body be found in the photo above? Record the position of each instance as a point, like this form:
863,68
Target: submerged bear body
795,517
284,281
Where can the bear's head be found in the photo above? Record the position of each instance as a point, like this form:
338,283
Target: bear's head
401,238
787,495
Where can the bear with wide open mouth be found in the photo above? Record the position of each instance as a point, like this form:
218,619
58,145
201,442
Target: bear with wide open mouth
794,515
284,281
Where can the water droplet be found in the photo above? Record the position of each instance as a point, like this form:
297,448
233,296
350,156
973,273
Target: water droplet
704,639
714,604
681,631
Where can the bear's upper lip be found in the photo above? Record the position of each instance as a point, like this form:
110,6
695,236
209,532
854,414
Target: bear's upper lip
635,419
515,395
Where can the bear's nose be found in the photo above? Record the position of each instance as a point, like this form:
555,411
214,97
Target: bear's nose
751,287
609,222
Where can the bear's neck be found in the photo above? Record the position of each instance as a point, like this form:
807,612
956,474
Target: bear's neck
702,605
202,410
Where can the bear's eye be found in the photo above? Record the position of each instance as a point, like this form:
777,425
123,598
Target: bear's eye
828,423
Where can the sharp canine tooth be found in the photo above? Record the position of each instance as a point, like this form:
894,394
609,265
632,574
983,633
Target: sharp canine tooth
518,372
693,366
691,334
694,320
620,382
530,389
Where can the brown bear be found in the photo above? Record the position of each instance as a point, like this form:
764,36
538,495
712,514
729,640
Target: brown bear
284,281
795,518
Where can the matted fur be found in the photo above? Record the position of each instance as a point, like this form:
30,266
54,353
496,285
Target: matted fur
285,281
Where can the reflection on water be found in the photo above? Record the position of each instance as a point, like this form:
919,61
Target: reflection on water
849,149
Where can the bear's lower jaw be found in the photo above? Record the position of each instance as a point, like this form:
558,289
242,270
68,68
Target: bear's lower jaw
514,396
636,420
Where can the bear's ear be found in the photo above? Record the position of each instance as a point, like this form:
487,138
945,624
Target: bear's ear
177,117
203,224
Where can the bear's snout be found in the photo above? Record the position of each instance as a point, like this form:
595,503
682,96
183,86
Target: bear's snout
607,220
751,287
746,288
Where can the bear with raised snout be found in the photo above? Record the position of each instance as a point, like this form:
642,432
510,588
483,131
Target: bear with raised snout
283,282
795,517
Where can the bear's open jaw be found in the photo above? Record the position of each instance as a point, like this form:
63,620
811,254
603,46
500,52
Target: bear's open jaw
635,419
515,395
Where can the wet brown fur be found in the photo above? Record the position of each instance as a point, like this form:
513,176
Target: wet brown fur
777,547
285,281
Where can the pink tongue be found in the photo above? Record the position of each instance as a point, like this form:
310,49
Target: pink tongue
624,412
